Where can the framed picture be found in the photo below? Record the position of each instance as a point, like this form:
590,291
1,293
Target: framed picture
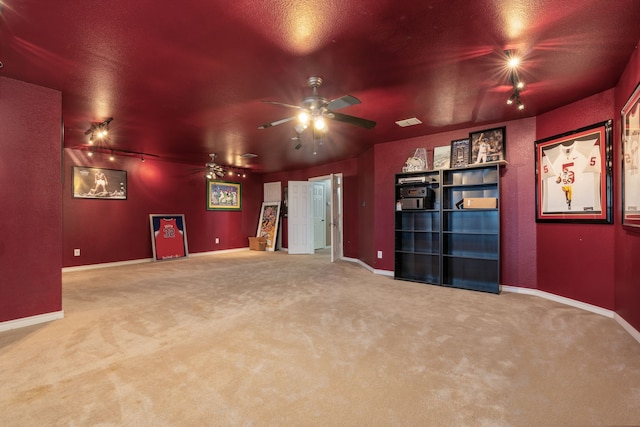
574,177
459,153
98,183
268,223
487,146
631,160
224,196
441,157
168,236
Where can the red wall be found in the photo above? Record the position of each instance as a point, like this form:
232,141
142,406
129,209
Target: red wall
627,240
518,238
576,260
31,226
118,230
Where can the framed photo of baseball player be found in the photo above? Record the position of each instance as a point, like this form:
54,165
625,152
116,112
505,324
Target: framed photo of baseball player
574,176
168,236
631,160
98,183
487,146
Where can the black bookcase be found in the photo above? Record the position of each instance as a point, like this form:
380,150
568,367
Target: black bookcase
453,237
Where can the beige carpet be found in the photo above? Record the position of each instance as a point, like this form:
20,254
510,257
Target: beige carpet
270,339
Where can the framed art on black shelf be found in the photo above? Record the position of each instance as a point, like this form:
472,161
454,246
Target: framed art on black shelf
631,160
574,176
224,196
487,146
459,153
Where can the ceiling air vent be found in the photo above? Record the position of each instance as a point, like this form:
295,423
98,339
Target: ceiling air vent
408,122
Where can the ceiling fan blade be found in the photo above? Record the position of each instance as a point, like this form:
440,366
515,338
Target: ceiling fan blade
342,102
297,107
276,123
363,123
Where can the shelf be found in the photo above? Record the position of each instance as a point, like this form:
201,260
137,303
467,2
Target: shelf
445,245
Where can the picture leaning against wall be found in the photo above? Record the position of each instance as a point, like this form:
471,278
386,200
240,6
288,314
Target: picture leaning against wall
168,236
268,223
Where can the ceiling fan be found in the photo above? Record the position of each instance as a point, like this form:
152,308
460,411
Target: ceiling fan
315,110
213,169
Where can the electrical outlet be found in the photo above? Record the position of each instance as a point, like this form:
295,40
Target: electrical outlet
379,254
217,241
76,252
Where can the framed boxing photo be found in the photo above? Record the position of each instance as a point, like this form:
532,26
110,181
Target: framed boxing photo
487,146
99,183
574,176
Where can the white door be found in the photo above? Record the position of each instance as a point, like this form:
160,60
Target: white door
300,228
336,216
319,212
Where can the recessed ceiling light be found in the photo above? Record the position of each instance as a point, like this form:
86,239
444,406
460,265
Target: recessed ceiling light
408,122
248,155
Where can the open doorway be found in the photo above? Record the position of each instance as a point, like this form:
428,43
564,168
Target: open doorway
326,212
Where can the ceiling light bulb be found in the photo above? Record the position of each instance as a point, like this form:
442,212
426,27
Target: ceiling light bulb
319,123
90,154
520,85
513,62
520,105
511,98
304,118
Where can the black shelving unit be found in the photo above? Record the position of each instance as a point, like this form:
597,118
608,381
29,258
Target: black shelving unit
451,243
417,227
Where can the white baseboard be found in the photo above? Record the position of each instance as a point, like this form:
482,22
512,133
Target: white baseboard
105,265
223,251
627,327
140,261
557,298
31,320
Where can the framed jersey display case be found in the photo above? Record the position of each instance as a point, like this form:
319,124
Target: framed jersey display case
574,176
168,236
631,160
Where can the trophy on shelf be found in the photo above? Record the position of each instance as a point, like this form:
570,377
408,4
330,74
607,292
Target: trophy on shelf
416,163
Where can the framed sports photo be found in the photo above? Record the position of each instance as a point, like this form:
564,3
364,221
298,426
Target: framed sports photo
487,146
630,121
459,153
224,196
268,223
574,176
168,236
99,183
441,157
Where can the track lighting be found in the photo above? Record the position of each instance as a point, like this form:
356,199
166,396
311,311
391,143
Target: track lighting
513,61
98,131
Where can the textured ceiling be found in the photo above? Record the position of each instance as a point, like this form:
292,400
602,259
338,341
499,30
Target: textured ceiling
184,79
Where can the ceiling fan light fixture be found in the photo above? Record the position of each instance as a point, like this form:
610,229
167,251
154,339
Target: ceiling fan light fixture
304,118
319,123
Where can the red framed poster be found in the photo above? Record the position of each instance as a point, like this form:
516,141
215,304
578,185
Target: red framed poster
574,176
168,236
